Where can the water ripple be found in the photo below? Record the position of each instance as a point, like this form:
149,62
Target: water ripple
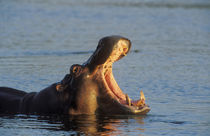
41,53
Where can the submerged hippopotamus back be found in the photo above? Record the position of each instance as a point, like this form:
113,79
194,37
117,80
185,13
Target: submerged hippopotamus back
89,88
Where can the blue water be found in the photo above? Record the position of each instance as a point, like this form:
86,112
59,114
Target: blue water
169,61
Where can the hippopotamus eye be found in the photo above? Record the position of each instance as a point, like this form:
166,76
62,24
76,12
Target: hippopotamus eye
75,69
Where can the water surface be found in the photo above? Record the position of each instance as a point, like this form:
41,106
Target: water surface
169,61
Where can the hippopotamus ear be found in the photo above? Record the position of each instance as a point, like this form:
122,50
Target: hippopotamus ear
59,87
75,70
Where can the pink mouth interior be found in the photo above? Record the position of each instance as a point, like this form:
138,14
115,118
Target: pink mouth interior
113,86
108,75
111,83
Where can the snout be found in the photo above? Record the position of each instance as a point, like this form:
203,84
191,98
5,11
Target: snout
115,46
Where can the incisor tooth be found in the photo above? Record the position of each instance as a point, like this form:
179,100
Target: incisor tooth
128,100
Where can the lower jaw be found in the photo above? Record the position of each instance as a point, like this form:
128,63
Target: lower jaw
113,109
142,111
124,108
132,106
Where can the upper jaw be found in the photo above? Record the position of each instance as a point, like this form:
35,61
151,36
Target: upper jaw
106,47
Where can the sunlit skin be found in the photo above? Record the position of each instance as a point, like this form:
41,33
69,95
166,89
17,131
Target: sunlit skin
89,88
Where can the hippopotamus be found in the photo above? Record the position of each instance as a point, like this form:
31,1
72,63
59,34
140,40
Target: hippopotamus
89,88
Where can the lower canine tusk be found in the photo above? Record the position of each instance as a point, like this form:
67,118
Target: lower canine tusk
142,97
141,102
128,100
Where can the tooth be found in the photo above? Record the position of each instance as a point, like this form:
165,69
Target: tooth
128,100
142,95
124,54
111,58
141,102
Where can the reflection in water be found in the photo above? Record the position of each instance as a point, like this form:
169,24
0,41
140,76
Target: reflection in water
80,124
91,124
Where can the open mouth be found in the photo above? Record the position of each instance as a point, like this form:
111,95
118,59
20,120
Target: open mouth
109,50
135,106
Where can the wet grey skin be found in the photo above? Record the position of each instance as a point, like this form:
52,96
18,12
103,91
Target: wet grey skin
89,88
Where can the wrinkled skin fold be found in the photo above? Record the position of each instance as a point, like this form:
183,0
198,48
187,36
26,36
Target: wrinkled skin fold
89,88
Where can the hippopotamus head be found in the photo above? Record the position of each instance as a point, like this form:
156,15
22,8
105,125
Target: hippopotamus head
93,87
